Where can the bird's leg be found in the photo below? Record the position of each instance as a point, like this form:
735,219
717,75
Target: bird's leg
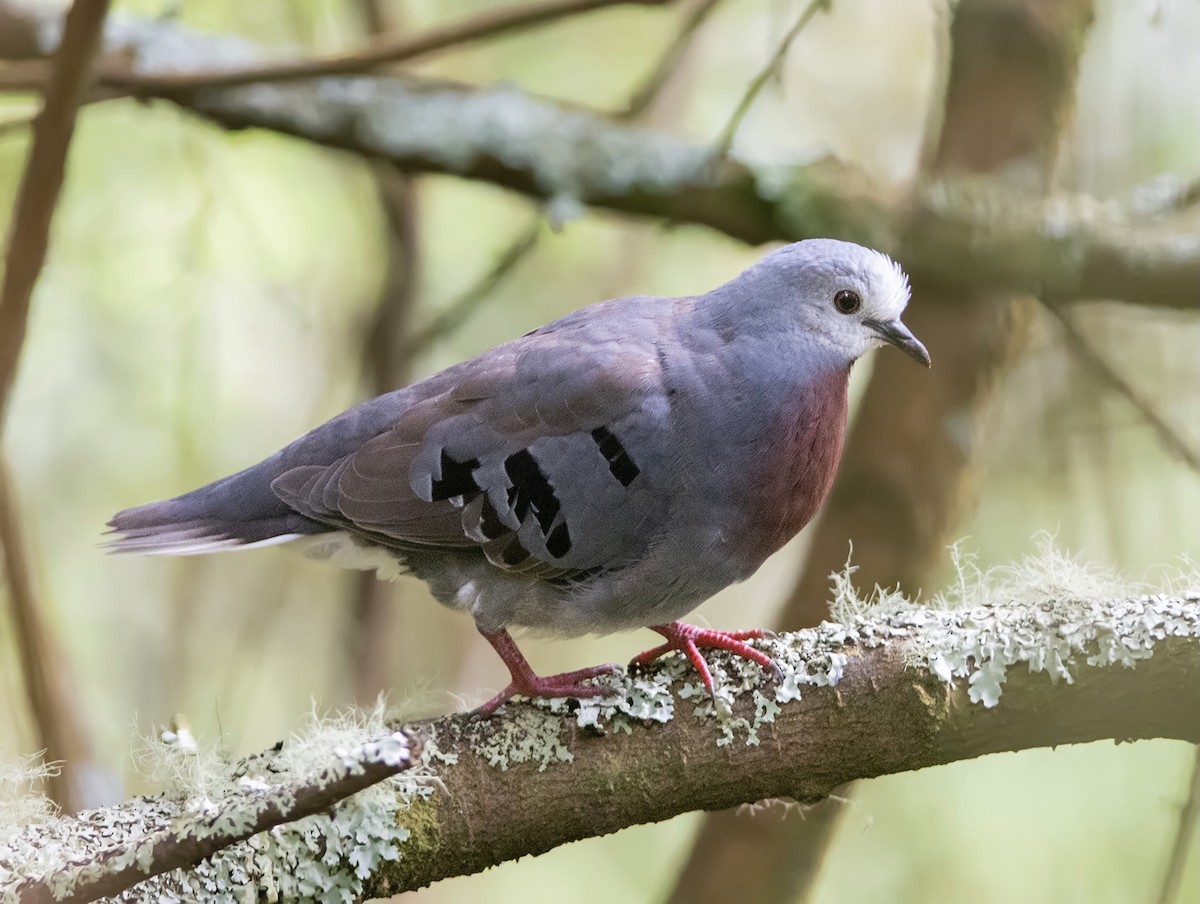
527,684
690,639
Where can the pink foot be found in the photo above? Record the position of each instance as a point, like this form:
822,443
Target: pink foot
527,684
690,639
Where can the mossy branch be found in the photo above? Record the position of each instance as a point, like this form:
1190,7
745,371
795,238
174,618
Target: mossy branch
895,689
147,838
960,232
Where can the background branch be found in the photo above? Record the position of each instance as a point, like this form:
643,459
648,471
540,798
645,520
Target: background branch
768,71
658,79
883,694
1189,820
54,704
386,366
642,99
963,232
380,52
461,308
29,230
1088,354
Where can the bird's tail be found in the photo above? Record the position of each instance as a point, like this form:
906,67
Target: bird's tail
237,512
242,511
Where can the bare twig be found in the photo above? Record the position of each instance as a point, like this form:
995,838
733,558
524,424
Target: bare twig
374,16
1189,820
661,74
725,140
53,707
465,305
1082,347
197,836
379,53
384,351
54,711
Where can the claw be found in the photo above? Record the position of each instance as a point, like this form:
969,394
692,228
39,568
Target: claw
527,684
690,639
568,684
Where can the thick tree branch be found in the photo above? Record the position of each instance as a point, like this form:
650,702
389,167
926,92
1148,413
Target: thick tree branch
889,692
961,232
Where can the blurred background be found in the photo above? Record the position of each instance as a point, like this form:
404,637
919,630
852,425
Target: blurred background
211,295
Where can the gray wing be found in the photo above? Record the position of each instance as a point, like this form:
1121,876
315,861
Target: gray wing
547,454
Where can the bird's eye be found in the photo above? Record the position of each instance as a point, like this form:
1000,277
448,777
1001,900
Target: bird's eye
847,301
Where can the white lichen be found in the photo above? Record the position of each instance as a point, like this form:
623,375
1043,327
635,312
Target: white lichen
173,762
1048,573
847,602
21,798
324,857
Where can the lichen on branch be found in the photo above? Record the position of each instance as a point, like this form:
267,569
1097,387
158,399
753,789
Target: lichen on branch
897,686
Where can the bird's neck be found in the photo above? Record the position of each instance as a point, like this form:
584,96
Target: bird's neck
746,305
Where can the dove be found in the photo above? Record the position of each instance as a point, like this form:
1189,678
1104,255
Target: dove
608,471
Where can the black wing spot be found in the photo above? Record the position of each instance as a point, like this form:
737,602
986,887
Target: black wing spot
457,479
531,490
558,544
619,462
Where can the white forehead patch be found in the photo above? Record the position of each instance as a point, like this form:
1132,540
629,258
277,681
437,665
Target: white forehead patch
893,289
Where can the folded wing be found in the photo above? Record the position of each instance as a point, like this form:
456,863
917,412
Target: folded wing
547,455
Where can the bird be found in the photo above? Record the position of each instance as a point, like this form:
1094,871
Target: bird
608,471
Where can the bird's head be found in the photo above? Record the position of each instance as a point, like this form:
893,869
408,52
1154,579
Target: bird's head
847,297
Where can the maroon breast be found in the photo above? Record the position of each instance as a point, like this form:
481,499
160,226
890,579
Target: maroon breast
794,465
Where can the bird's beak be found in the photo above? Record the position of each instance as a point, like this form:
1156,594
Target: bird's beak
896,333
